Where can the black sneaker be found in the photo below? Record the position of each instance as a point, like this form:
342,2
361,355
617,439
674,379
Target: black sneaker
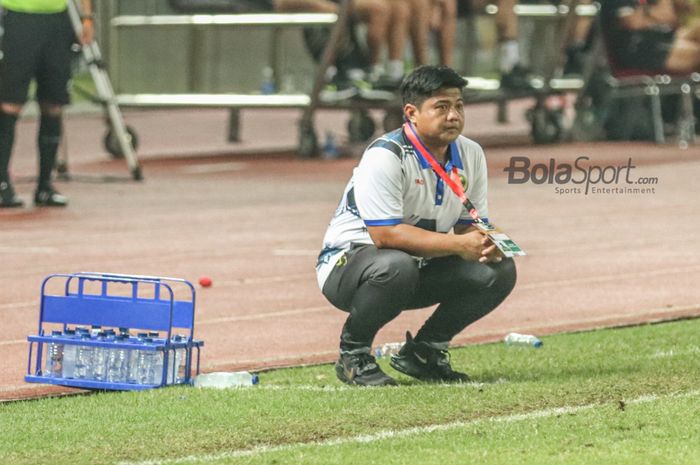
49,197
367,91
385,82
359,367
575,60
426,362
517,79
8,198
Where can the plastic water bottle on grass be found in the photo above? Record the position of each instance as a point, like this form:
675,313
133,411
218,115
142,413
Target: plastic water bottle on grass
522,340
388,349
222,380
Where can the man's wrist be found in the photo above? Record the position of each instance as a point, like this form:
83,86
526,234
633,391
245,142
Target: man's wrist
87,17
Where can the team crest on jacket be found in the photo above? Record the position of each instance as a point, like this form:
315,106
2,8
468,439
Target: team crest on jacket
464,181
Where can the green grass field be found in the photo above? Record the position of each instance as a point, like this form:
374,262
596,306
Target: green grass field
621,396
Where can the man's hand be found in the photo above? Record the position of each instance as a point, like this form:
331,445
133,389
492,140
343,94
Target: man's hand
490,253
477,246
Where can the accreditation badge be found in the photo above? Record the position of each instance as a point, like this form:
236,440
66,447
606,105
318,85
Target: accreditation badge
505,244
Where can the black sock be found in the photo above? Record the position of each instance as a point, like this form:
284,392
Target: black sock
7,140
49,138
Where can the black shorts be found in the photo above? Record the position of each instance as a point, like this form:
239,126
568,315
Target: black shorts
645,50
36,46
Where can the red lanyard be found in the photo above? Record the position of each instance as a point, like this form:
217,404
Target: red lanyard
452,181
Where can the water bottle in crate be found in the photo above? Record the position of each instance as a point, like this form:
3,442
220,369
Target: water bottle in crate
54,356
84,356
93,355
69,354
118,361
99,358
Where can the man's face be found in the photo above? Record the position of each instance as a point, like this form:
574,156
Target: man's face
440,119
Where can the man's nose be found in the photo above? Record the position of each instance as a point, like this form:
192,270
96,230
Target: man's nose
454,113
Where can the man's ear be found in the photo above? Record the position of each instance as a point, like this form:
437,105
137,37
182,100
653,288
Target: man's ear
409,111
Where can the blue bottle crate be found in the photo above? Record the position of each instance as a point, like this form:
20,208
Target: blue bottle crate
93,298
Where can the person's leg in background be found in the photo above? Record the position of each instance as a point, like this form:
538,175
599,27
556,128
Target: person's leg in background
421,11
376,14
579,43
52,77
48,140
9,113
685,51
21,47
439,16
444,23
401,15
513,74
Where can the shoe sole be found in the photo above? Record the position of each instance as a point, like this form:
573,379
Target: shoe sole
425,378
340,374
401,369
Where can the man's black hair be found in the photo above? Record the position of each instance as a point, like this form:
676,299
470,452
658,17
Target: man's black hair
424,81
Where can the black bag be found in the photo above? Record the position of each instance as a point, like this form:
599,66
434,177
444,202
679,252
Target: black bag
629,119
350,52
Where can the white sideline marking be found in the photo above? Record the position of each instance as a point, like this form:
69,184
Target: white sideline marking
389,434
675,353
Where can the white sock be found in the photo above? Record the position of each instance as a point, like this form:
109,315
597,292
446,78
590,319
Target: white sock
376,71
395,69
356,74
509,55
330,73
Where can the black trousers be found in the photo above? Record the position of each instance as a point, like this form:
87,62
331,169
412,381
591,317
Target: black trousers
36,46
375,285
